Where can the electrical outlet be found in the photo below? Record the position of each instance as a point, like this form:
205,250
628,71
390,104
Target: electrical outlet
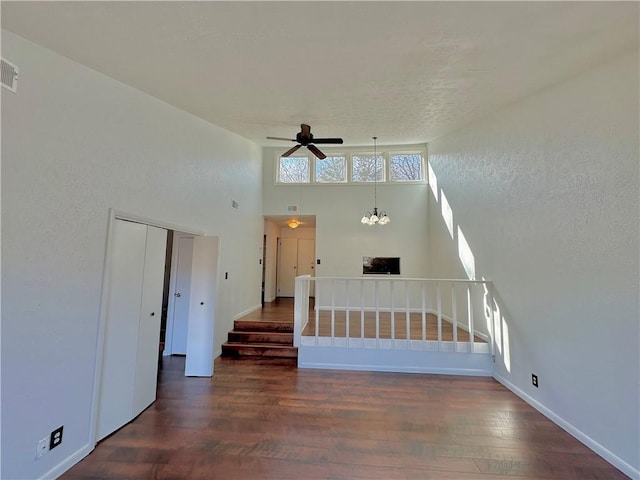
55,438
42,448
534,380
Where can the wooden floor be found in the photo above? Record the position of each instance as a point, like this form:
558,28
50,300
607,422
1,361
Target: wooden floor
265,419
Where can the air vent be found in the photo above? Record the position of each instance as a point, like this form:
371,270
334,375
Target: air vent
9,76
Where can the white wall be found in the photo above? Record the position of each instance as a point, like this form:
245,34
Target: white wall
341,240
74,144
546,192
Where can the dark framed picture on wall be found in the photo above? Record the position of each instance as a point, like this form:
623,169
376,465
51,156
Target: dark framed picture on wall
381,265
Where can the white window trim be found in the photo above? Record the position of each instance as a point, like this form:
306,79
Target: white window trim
349,154
423,165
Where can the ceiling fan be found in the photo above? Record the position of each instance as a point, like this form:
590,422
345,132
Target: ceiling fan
305,139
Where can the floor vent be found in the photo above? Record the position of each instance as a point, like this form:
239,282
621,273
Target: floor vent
9,76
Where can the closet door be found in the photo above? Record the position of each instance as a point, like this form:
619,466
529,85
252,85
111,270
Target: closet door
146,367
132,333
128,245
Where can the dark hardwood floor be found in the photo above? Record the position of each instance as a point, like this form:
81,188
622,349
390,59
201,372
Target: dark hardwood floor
262,418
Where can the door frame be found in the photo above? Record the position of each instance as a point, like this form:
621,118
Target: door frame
114,215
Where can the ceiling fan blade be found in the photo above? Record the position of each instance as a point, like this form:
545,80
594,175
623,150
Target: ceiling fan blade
316,152
327,140
290,151
280,138
305,130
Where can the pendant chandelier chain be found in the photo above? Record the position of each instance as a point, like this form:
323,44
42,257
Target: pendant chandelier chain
375,217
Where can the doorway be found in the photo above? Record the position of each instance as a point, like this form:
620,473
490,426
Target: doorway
179,294
296,256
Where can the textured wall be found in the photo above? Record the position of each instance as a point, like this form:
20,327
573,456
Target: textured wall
546,192
74,144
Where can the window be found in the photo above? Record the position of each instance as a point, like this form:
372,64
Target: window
367,168
331,169
293,170
393,164
405,167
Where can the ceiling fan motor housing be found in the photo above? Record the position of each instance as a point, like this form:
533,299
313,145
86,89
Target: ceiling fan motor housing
304,140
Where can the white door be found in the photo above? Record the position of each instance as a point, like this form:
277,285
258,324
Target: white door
146,367
287,266
130,355
180,295
306,256
202,308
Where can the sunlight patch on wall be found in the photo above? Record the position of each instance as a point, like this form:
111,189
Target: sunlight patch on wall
466,256
447,213
507,354
433,181
488,303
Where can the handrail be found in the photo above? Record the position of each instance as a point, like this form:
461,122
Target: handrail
395,296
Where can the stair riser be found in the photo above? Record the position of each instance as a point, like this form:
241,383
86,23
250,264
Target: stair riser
241,351
250,326
261,337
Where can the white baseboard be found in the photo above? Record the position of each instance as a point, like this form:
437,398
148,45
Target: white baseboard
67,463
609,456
388,360
247,311
379,368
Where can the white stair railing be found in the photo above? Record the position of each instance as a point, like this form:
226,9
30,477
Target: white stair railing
457,302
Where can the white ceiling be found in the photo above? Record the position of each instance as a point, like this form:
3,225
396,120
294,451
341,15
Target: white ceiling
407,72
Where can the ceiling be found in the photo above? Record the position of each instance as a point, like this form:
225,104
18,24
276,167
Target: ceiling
407,72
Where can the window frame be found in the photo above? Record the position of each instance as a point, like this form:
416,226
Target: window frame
348,155
277,171
385,165
346,169
423,176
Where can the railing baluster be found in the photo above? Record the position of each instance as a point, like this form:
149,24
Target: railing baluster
470,310
362,313
393,313
424,311
317,315
346,318
377,295
454,310
333,312
407,309
439,304
298,302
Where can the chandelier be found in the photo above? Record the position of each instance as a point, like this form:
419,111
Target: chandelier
375,217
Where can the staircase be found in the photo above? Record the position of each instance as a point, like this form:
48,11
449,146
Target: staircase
260,338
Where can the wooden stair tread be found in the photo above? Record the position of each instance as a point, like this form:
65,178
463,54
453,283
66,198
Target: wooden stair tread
262,326
260,337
